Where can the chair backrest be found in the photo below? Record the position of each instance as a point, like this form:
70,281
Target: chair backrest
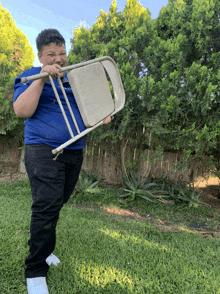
91,91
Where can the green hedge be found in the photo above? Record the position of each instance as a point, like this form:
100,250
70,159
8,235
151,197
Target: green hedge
170,68
16,55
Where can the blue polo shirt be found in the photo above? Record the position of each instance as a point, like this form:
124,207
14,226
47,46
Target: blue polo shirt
47,125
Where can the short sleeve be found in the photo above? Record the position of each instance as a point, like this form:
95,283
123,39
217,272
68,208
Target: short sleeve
19,87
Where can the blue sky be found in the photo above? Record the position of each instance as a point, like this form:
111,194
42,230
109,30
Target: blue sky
33,16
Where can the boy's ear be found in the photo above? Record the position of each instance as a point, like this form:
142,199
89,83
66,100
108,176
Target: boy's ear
39,54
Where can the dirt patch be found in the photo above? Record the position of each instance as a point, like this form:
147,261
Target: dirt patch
10,176
210,190
123,212
211,196
164,227
213,191
8,167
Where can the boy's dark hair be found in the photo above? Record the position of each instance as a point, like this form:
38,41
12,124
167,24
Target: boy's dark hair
49,36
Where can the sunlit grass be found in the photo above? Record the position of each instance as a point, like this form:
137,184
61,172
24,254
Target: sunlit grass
134,239
105,251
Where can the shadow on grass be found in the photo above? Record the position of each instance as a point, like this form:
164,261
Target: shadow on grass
101,256
105,253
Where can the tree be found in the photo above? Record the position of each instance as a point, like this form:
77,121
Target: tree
123,36
170,72
16,55
181,90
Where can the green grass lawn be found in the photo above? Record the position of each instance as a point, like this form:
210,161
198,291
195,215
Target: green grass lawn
151,250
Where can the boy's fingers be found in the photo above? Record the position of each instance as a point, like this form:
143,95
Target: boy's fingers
107,120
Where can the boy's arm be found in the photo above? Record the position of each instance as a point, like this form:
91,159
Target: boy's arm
27,102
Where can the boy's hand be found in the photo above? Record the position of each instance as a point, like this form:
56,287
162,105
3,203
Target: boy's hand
107,120
53,71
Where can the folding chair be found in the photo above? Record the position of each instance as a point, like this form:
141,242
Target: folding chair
91,90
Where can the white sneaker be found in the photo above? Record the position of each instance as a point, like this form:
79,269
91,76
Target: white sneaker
52,259
37,285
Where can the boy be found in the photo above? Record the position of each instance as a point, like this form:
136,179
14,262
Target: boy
52,181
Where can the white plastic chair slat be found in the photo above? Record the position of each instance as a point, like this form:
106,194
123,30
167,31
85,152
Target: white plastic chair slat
61,106
77,137
68,104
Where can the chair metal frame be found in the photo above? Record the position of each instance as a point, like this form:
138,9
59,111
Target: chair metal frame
119,95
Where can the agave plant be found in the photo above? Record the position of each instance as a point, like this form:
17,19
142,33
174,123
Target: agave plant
87,183
188,196
179,191
138,187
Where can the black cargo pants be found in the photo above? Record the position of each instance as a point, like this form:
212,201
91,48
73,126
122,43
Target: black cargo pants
52,183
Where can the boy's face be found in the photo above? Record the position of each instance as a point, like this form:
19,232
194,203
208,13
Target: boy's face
53,54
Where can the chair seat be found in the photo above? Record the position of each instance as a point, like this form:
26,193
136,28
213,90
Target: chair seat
91,91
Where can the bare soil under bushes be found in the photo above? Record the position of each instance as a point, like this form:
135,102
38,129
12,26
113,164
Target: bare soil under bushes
210,194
